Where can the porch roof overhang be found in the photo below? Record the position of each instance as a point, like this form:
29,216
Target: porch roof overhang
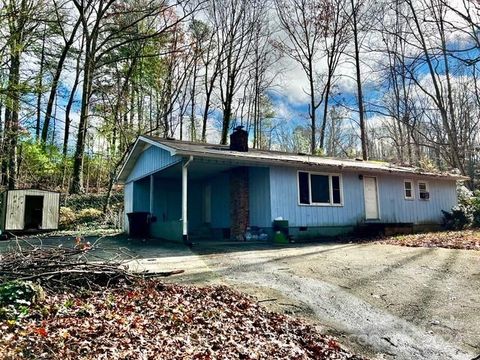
254,157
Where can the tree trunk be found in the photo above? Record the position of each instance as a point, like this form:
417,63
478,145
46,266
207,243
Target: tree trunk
208,96
55,80
313,143
12,135
76,186
361,110
40,86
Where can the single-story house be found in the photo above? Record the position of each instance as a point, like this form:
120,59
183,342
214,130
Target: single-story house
219,191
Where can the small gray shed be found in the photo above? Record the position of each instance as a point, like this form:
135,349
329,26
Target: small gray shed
29,209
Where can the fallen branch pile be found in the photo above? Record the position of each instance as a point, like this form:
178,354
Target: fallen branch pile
57,268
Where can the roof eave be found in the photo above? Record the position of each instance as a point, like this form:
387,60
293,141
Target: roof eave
295,163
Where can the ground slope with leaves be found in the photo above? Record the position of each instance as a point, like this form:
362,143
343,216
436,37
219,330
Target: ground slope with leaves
122,316
463,239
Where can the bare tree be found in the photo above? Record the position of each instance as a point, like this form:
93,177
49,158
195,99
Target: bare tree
102,36
358,77
234,21
305,22
62,23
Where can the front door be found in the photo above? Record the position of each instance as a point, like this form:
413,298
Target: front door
371,197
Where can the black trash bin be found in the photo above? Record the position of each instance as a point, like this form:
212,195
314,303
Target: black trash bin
139,224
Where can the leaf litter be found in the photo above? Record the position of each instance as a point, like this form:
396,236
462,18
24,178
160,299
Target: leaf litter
464,240
114,314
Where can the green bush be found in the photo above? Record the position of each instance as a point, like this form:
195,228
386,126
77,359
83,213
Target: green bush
68,217
459,218
475,209
466,214
17,296
90,215
95,201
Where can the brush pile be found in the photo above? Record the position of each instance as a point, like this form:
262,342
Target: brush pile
59,268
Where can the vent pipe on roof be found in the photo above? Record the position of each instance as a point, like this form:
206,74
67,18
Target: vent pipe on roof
239,140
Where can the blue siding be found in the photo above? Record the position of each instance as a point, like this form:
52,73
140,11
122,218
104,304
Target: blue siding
167,200
392,205
284,200
220,201
151,160
259,197
195,205
141,195
167,206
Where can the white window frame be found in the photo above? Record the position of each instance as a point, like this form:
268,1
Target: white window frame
330,188
412,189
427,189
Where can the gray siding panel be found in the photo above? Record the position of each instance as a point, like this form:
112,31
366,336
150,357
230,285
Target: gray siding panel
3,209
393,206
51,210
259,197
152,160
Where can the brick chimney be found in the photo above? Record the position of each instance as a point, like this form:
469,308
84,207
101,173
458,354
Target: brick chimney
239,140
239,209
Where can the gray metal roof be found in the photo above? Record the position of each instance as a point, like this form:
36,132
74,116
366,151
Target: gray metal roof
278,158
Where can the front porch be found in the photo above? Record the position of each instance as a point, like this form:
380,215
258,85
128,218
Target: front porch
192,199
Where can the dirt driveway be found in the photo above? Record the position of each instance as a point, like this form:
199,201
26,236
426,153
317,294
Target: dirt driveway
383,301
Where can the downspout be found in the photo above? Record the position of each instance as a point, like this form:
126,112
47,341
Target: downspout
185,200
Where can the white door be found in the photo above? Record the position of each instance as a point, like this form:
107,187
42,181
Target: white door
371,197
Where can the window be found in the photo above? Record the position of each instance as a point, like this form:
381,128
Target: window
319,189
409,193
423,192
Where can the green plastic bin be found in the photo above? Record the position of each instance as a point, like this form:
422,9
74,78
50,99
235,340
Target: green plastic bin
280,229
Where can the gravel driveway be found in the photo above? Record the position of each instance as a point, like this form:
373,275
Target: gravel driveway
387,302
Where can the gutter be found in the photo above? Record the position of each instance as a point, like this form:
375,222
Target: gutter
307,164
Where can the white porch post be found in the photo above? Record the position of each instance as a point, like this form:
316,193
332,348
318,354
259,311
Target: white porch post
185,200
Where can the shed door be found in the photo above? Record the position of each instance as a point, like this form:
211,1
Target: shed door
33,215
371,197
